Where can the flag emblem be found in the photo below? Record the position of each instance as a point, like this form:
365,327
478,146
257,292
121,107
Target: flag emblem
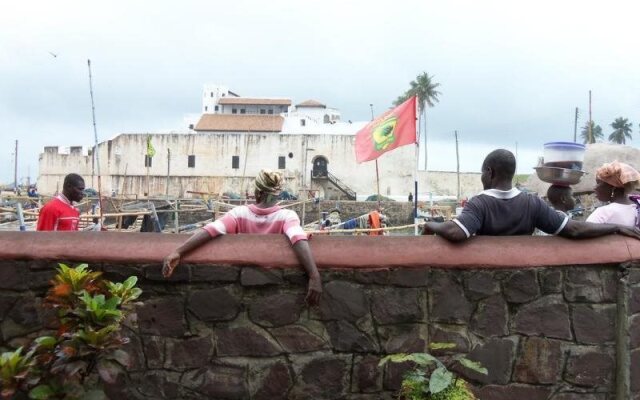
383,133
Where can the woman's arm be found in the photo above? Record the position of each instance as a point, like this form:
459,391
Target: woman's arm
172,260
303,253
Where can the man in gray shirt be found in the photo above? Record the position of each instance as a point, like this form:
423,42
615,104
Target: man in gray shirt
501,210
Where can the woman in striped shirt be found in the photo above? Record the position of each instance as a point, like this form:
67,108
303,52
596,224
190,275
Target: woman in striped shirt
264,217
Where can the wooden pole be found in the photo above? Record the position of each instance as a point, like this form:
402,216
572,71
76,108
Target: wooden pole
378,183
168,171
95,137
591,140
15,170
457,167
575,127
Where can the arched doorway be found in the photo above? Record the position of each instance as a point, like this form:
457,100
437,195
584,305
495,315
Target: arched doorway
320,167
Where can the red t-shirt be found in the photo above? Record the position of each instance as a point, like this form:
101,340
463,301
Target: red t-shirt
58,215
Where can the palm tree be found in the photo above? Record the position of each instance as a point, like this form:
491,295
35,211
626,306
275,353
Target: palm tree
621,131
425,88
596,133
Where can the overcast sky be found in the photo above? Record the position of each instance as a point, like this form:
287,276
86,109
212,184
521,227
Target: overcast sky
508,73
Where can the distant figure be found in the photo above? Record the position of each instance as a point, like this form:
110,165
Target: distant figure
561,198
59,214
501,210
614,182
32,192
263,217
410,198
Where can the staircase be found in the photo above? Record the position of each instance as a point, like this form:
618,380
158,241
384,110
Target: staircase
350,194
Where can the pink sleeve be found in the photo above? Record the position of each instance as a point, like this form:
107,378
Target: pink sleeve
599,216
292,228
227,224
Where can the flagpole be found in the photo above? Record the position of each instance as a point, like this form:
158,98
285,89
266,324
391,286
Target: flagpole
415,170
377,173
95,151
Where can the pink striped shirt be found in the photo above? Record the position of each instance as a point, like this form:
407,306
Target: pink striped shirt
252,219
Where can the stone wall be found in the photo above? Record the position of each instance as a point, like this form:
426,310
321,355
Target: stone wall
231,323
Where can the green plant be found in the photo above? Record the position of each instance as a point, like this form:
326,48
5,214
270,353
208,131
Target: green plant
90,313
431,379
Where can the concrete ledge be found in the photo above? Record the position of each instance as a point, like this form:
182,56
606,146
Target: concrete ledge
273,251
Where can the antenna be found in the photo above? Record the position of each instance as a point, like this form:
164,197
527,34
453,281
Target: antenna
95,137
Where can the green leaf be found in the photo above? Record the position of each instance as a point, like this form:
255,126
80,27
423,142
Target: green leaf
41,392
47,342
441,346
473,365
440,380
94,394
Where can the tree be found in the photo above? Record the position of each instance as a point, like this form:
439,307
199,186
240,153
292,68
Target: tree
596,133
425,88
621,131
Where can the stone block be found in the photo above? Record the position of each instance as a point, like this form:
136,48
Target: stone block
635,371
634,275
403,338
120,273
547,316
579,396
513,392
343,301
480,284
454,334
277,309
550,280
298,339
245,341
634,300
594,324
211,305
218,382
6,303
24,317
394,306
610,277
539,361
189,353
521,286
155,385
394,373
41,279
272,382
295,277
345,336
491,317
214,273
260,277
409,277
162,317
136,352
14,275
182,274
582,284
374,276
447,301
591,368
154,347
367,376
322,377
634,329
497,356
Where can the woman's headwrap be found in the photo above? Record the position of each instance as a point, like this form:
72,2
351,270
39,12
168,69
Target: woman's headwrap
617,174
269,182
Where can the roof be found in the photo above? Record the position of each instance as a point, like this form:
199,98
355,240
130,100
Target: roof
240,123
252,101
311,103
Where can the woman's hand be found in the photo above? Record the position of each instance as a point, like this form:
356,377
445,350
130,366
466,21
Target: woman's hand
315,291
170,263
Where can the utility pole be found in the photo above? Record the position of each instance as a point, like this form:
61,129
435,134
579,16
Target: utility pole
371,107
457,166
15,170
168,172
590,121
575,127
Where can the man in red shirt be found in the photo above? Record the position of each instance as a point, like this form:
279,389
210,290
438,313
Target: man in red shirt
59,214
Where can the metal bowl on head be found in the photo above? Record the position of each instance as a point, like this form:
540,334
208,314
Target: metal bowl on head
559,176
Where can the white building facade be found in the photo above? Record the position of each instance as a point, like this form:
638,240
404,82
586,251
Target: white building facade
308,142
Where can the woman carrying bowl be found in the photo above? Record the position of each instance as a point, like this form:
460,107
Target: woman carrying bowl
614,182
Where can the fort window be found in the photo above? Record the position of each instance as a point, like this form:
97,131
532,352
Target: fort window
270,112
243,111
205,108
191,162
147,161
303,122
282,162
235,162
216,109
234,111
263,111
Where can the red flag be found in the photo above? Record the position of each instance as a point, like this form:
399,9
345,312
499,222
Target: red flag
392,129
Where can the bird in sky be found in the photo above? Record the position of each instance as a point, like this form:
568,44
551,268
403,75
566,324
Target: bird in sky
54,55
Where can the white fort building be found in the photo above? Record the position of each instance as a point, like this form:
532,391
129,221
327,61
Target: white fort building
235,137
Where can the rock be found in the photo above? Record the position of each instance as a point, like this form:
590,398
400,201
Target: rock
512,392
580,396
634,329
403,338
594,324
374,276
521,286
480,284
298,339
408,277
547,316
322,378
367,376
23,318
218,382
275,383
590,368
346,337
497,356
211,305
551,280
540,361
583,285
277,309
214,273
635,370
245,341
162,317
343,301
447,300
13,275
260,277
189,353
154,351
491,317
393,306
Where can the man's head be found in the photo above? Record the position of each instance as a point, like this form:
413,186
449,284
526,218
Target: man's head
561,197
498,169
73,187
268,185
